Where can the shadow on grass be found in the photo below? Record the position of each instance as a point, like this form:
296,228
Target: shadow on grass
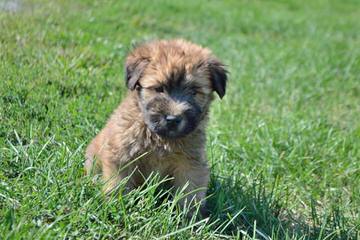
261,214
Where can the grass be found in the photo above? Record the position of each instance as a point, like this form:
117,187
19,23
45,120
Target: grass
283,145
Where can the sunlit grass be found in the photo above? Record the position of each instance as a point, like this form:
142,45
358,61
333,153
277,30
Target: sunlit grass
283,144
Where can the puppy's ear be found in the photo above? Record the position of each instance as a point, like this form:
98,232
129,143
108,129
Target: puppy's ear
218,76
134,69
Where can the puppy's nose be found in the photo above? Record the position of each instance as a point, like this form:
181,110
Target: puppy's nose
173,121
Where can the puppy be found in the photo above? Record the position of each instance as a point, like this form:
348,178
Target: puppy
171,85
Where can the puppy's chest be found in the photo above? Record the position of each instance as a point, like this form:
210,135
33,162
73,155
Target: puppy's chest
164,163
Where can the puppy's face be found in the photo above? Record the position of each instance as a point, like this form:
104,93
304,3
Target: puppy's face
174,106
174,81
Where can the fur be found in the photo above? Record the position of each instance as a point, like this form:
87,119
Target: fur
164,78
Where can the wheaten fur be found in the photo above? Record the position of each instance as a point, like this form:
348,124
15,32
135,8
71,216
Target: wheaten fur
128,135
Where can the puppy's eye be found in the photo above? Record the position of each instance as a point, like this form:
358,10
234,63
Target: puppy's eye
159,89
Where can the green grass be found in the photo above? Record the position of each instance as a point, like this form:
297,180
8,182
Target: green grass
283,145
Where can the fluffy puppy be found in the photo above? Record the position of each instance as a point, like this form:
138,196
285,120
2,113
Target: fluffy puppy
171,85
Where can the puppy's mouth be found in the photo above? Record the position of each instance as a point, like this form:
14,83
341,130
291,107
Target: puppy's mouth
170,134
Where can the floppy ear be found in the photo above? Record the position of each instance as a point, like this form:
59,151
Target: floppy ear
134,69
218,76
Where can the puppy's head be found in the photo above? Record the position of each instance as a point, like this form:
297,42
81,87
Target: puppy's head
174,81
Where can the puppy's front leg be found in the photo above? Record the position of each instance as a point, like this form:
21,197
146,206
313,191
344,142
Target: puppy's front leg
110,176
113,174
196,176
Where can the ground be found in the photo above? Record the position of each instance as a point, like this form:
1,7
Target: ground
283,145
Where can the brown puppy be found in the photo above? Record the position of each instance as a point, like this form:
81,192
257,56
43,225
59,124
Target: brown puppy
171,84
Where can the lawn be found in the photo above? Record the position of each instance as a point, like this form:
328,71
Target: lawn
283,144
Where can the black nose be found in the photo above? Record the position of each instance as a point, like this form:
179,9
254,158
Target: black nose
173,121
